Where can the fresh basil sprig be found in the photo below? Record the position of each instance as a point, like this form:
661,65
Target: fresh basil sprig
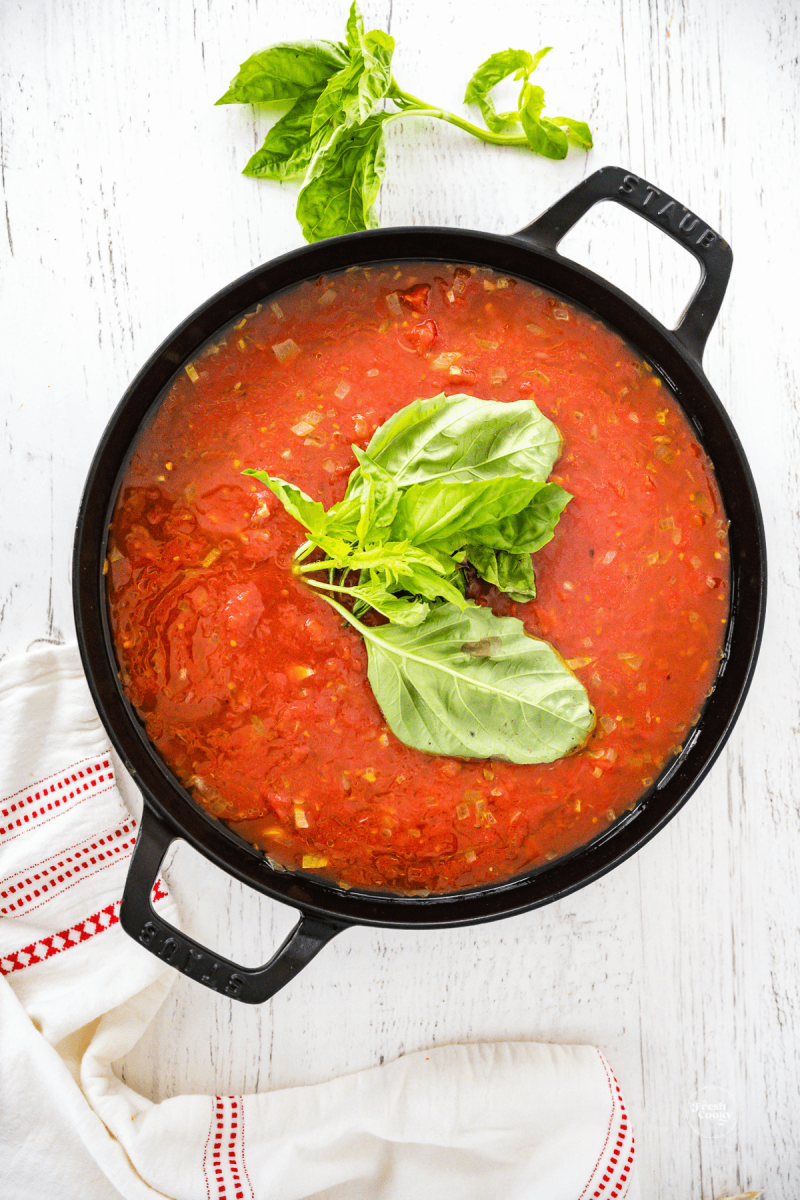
443,482
344,94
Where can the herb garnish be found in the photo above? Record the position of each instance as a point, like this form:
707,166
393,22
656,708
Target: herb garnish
444,482
333,133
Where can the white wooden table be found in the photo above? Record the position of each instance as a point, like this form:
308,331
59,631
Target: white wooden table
123,208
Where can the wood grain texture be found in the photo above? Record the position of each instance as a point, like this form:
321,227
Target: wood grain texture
123,208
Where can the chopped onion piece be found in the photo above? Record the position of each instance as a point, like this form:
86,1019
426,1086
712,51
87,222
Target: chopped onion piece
341,390
609,557
191,372
373,371
561,314
276,308
497,375
444,361
211,557
634,661
300,819
284,350
314,861
394,305
327,297
302,428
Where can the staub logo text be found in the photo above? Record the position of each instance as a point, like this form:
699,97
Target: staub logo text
191,962
675,216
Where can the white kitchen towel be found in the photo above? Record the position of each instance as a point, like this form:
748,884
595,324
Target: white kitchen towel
525,1121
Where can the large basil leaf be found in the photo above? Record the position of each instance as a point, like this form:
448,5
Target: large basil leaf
289,146
343,182
285,71
511,573
459,438
476,686
528,529
446,514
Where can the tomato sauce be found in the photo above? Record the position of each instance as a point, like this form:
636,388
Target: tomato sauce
255,692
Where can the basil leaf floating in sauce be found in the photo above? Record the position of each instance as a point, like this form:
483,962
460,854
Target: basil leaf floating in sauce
448,515
473,685
347,85
529,529
458,438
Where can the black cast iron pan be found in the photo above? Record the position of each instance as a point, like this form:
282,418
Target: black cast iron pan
325,910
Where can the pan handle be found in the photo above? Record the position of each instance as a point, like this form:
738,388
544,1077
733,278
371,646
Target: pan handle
710,250
139,919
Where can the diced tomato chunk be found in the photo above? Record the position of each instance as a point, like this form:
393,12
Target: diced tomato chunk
243,610
422,336
416,297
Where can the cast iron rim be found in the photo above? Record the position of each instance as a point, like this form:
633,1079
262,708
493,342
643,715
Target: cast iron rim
681,371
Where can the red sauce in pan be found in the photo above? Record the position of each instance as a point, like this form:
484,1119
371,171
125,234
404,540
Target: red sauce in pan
255,692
